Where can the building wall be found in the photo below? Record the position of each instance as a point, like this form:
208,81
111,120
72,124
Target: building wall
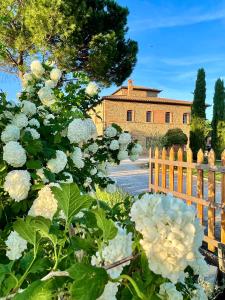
116,112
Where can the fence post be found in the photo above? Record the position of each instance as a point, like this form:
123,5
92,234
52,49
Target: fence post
189,175
223,199
200,185
150,170
211,199
180,171
171,170
156,169
164,168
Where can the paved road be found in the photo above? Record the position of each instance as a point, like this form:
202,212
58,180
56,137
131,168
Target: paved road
133,178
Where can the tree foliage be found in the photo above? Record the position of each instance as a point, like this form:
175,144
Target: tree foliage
175,136
218,112
78,34
198,106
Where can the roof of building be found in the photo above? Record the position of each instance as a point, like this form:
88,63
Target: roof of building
140,88
147,99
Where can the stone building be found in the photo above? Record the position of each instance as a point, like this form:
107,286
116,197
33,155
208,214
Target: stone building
142,112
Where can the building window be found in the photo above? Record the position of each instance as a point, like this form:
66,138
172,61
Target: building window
129,115
167,117
185,118
148,116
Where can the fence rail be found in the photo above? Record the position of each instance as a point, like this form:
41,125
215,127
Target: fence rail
169,172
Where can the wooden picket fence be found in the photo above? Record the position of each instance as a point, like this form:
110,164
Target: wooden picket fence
169,172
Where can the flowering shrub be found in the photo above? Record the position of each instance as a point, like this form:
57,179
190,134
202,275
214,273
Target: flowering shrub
58,241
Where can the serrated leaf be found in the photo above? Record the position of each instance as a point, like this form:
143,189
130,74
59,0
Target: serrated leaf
25,230
70,200
89,281
106,225
38,290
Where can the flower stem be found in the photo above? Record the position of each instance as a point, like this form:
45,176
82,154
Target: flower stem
135,286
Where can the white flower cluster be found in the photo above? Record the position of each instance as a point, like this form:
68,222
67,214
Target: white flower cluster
10,133
110,132
20,120
57,164
34,122
114,145
27,78
198,293
37,68
168,291
34,133
118,248
45,204
17,184
171,235
77,158
28,108
110,291
46,96
81,130
16,245
14,154
91,89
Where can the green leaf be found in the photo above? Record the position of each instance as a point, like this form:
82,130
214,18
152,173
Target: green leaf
70,200
4,270
38,290
34,147
89,282
106,225
25,230
34,164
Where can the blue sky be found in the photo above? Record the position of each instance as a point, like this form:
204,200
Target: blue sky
175,38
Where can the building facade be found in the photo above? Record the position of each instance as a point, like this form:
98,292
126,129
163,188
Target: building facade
142,112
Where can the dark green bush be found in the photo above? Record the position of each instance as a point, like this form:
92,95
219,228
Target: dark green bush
175,136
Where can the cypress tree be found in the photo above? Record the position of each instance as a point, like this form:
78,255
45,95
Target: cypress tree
198,106
218,111
198,116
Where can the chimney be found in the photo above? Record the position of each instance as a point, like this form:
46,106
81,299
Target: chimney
130,87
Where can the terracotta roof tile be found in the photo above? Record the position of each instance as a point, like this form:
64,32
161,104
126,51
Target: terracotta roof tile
136,87
147,99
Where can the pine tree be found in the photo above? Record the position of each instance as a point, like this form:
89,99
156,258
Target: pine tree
218,112
198,106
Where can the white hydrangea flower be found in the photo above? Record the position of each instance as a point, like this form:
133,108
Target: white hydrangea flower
118,248
16,245
55,74
27,77
134,157
93,148
114,145
91,89
110,291
40,173
124,138
87,182
35,135
168,291
34,122
10,133
47,119
77,158
57,164
45,204
137,149
111,188
8,115
123,154
20,120
28,108
46,96
199,293
169,231
17,184
50,84
91,128
81,130
14,154
93,171
37,68
103,167
69,178
111,131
